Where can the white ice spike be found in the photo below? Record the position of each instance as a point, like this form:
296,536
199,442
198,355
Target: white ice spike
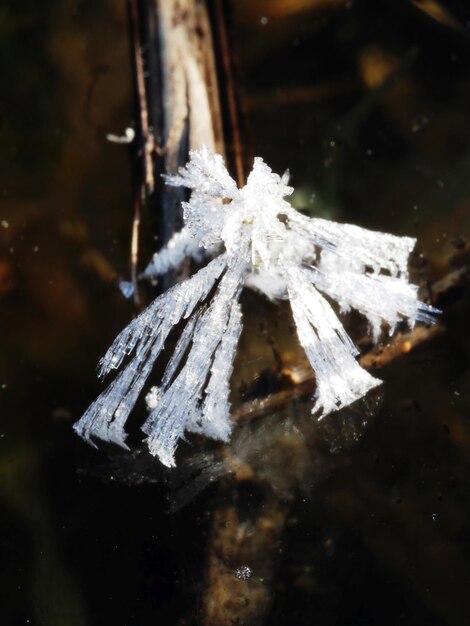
262,243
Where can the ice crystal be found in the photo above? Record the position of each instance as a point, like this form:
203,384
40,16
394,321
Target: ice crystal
261,242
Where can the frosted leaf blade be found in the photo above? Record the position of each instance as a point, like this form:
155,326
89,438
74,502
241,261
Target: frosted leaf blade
216,409
179,407
379,298
340,379
106,417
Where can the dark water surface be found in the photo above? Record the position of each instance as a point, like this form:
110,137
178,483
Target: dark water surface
368,104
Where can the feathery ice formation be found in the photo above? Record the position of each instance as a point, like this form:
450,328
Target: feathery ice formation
263,243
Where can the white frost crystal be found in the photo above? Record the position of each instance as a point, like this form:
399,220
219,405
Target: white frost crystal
265,244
